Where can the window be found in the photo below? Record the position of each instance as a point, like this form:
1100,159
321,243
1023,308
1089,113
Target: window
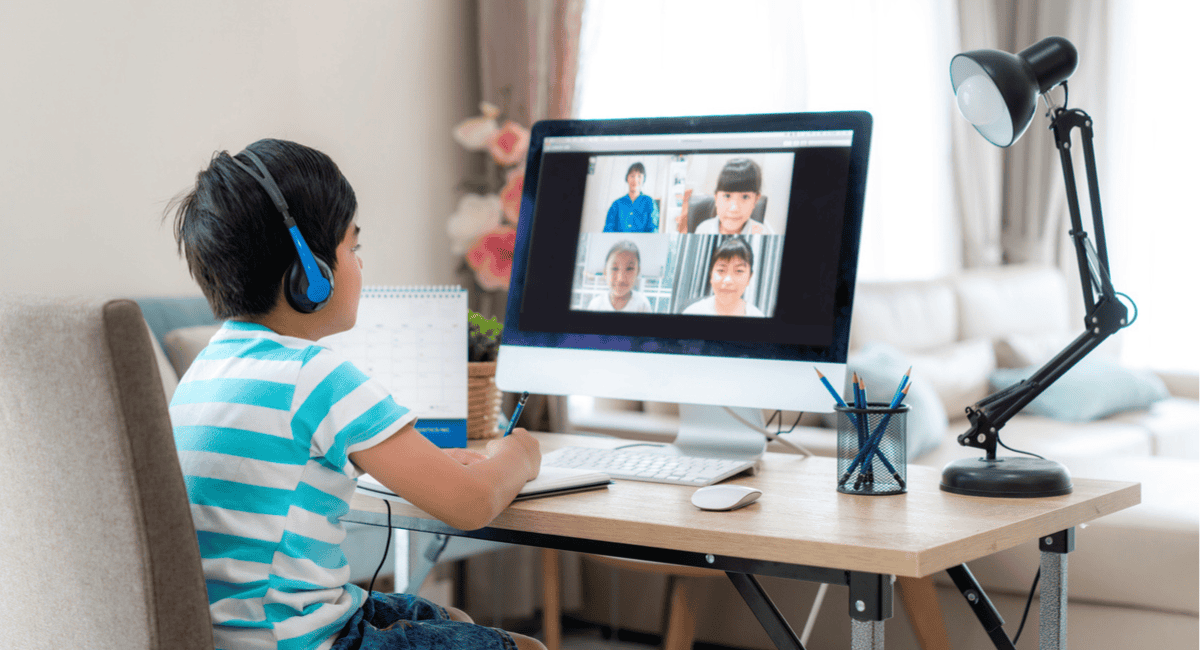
647,58
1147,173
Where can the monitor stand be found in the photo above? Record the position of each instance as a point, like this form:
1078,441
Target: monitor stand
711,431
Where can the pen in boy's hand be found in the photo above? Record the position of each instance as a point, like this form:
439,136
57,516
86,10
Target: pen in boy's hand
512,421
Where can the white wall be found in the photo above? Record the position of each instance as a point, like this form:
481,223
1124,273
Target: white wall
108,110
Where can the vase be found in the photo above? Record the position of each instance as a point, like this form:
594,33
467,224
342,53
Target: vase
483,400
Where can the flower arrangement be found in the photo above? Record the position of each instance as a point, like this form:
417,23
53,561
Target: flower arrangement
483,227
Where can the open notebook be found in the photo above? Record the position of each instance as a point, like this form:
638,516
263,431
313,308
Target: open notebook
550,481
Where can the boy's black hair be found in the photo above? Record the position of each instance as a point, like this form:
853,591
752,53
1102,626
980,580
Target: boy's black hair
233,237
731,248
740,175
624,246
636,167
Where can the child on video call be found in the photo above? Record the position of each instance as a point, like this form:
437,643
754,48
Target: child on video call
633,212
621,268
738,188
273,429
729,271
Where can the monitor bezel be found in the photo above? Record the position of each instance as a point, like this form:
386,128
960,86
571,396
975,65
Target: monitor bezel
858,122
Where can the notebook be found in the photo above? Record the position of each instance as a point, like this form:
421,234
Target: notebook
550,481
413,340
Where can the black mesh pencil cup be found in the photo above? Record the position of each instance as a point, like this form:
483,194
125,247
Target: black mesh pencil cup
871,449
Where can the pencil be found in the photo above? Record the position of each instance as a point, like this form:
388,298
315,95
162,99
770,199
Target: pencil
512,422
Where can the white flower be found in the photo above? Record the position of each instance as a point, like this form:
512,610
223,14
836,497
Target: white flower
473,133
476,214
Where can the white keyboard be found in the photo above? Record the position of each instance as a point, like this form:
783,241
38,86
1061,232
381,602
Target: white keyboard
647,465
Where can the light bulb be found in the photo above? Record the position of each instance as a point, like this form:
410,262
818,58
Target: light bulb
979,101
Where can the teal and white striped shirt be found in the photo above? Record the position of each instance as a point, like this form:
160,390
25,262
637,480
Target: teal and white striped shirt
265,425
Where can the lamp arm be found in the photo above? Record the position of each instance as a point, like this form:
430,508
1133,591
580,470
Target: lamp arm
1105,314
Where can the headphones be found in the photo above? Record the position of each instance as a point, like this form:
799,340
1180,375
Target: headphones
309,282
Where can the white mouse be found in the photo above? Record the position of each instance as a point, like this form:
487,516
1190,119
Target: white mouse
724,497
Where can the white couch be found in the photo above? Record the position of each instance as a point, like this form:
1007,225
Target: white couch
1134,575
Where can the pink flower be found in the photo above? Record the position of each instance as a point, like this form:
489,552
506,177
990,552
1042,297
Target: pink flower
510,195
473,133
476,214
508,145
491,257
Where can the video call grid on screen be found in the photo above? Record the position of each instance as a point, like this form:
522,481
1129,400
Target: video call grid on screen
630,247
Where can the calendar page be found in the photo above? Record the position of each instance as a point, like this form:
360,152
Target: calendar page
413,340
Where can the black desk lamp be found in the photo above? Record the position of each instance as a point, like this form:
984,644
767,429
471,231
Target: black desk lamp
997,92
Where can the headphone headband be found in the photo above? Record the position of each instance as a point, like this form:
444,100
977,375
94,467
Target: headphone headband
264,178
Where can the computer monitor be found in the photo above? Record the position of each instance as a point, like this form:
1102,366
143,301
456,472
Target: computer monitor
627,283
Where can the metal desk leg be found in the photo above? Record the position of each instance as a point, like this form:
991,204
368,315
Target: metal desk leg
1053,612
870,606
765,611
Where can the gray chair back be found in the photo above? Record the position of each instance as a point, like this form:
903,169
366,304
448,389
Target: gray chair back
97,548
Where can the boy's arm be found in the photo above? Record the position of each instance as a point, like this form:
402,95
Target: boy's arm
467,497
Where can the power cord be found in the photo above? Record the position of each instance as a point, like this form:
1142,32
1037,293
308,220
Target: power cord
1028,602
387,546
767,432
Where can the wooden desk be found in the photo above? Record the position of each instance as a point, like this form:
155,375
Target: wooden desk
801,528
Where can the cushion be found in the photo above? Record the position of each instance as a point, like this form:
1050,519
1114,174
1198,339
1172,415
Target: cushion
1095,388
881,367
183,344
959,373
912,315
1018,298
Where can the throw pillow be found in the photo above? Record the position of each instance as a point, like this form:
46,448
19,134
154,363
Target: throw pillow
1094,388
881,367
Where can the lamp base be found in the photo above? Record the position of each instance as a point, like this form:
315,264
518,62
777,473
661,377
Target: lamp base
1007,477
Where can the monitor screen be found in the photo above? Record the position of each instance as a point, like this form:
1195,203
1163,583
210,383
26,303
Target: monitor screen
706,260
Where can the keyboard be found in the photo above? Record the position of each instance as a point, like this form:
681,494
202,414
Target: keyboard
647,465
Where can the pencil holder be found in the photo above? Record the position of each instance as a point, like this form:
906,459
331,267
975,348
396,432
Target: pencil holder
871,449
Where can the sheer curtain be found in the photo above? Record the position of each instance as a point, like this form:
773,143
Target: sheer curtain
644,58
1147,172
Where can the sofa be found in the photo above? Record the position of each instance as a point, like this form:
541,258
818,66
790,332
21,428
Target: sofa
1133,580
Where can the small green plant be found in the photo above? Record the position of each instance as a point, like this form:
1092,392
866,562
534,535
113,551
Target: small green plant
483,342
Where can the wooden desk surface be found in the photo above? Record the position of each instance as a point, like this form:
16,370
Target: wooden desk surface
802,519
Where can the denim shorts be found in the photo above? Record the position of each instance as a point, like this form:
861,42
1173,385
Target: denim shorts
405,622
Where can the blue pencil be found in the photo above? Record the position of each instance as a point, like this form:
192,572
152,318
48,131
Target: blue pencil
512,421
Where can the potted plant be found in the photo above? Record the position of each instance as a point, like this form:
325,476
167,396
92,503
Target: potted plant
483,397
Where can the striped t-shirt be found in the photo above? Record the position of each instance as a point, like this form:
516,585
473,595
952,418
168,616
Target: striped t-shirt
264,425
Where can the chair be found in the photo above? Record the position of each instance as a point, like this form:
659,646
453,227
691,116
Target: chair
99,548
702,206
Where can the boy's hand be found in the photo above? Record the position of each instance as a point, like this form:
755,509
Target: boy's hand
524,444
466,456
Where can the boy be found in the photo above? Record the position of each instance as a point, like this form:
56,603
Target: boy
738,188
633,212
729,273
272,429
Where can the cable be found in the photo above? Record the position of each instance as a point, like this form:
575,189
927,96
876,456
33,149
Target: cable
386,547
766,432
1131,304
1028,602
1018,451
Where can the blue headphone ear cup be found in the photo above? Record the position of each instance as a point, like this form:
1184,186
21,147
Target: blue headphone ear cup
296,290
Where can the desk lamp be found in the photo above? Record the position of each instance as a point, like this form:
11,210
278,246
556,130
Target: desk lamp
997,93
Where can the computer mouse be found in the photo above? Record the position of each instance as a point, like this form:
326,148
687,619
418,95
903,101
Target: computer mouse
724,497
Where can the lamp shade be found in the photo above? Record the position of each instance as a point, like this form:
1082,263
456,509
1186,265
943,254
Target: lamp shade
997,92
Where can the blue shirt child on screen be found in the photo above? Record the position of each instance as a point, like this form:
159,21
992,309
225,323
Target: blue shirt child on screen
633,212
